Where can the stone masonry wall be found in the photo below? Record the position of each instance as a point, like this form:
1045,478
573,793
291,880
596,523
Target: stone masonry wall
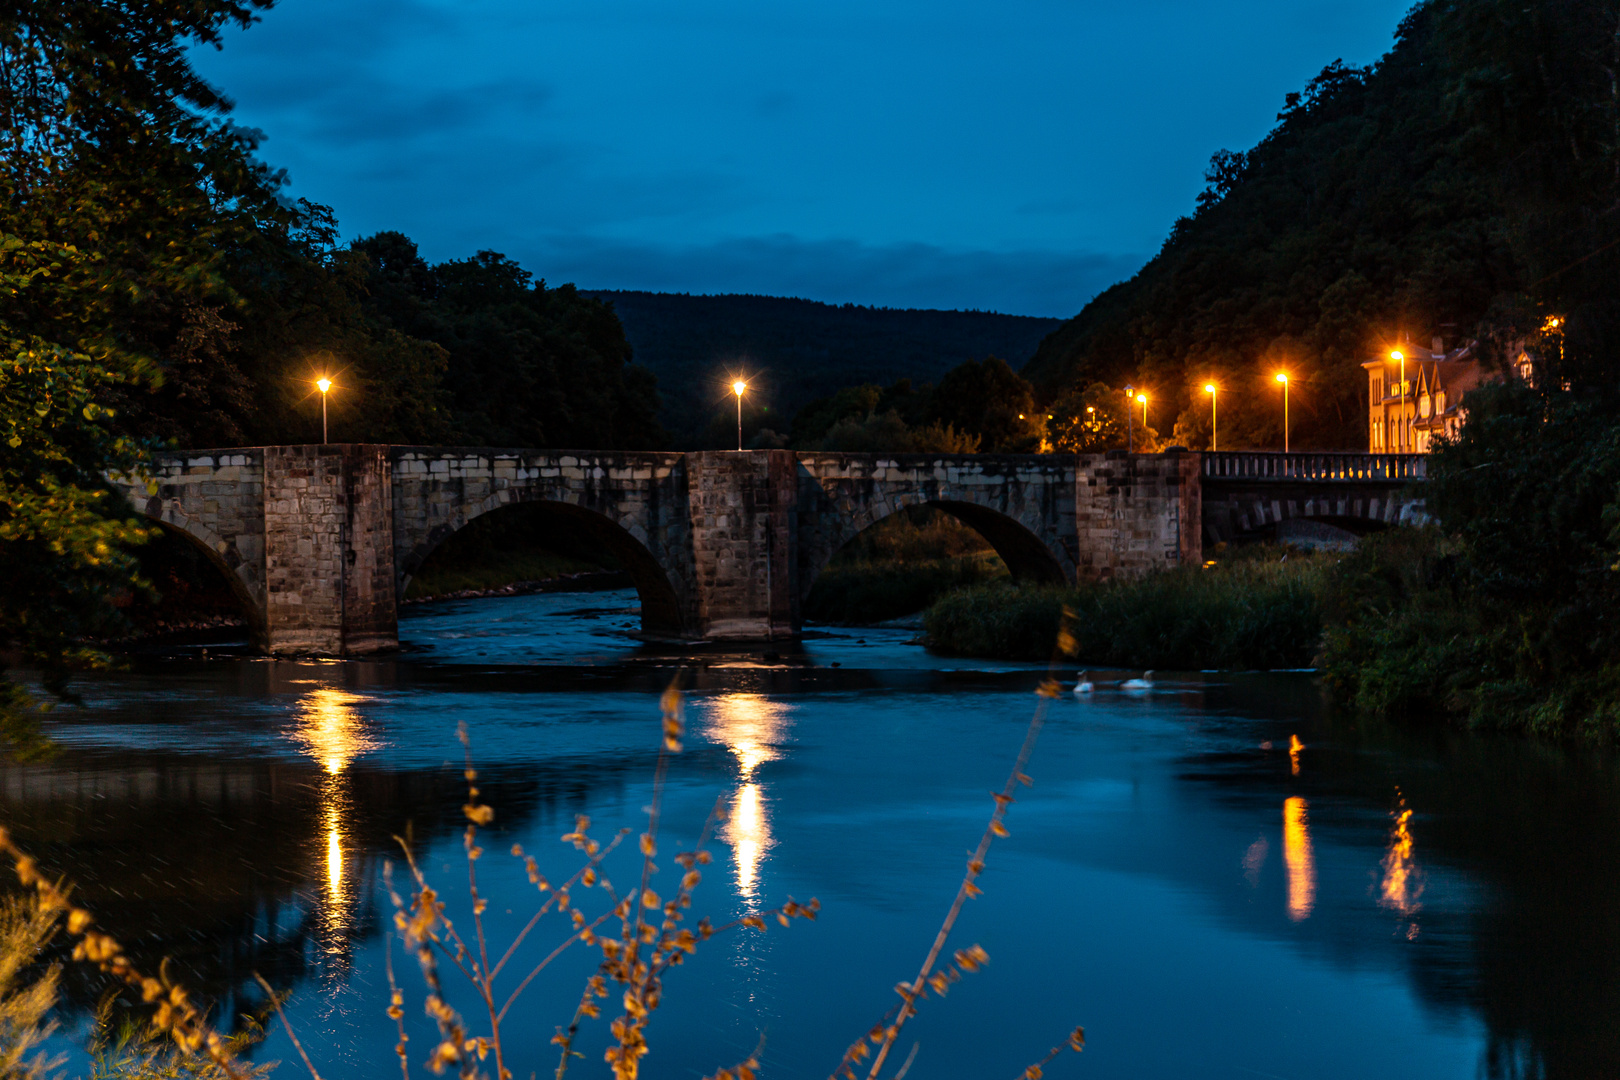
744,542
215,497
370,606
632,504
326,510
1022,504
1137,513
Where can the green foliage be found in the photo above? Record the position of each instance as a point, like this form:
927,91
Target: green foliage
990,401
524,364
795,352
1251,613
900,566
1504,616
1095,419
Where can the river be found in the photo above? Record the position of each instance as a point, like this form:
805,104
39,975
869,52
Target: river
1212,876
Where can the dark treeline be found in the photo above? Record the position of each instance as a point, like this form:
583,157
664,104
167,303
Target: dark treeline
469,351
795,351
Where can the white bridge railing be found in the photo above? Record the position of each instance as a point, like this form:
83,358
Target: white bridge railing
1344,468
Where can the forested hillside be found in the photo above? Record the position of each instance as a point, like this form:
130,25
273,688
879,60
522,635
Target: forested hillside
795,351
1377,207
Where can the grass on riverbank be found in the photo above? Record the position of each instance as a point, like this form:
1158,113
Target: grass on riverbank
1259,609
899,567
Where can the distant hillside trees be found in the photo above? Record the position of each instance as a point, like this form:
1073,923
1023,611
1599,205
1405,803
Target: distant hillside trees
794,352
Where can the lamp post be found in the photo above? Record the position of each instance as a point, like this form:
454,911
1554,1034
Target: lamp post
1214,426
737,388
1400,357
325,384
1282,377
1130,434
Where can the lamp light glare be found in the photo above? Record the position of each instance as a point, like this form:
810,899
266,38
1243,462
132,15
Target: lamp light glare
1282,377
324,384
1396,354
738,387
1141,399
1209,388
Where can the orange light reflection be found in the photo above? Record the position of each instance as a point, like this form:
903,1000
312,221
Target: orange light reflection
330,728
1298,860
1402,883
1294,747
750,726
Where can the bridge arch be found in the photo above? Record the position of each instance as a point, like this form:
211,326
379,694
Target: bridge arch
214,548
1027,555
618,535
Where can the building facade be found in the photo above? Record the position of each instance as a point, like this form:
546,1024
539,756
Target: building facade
1415,394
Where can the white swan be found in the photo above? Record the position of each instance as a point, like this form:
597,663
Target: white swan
1144,683
1084,685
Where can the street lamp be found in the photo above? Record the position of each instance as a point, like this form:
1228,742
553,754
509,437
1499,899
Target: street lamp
325,384
737,388
1143,399
1130,433
1214,427
1282,377
1397,355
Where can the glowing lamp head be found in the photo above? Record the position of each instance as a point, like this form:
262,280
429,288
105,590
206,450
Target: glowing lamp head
1282,377
1141,399
738,387
1396,354
1209,388
1091,408
324,384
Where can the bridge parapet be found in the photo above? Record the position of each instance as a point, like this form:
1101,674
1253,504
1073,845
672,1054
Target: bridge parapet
1320,468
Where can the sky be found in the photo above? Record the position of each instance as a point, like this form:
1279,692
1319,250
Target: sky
1009,155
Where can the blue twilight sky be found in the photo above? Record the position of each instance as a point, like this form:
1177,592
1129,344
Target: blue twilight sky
1017,156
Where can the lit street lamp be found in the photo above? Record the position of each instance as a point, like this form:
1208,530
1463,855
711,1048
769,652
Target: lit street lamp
325,384
1282,377
737,388
1143,399
1397,355
1214,427
1130,434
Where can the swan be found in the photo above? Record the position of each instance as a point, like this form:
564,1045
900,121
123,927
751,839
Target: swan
1144,683
1084,685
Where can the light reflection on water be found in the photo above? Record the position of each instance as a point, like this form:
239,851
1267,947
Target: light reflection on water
751,727
331,729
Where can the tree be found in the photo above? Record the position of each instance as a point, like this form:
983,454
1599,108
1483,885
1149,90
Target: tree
990,401
524,364
121,189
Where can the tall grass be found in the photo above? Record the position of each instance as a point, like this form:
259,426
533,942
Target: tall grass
1257,611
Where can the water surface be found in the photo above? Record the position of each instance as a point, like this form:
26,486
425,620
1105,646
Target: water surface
1210,876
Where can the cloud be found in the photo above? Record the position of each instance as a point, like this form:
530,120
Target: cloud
1029,282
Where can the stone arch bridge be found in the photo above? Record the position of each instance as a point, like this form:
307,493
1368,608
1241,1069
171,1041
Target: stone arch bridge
320,542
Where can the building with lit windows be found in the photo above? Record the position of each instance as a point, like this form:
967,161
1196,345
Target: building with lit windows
1415,394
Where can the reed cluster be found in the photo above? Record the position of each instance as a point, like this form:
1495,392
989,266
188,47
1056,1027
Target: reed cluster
1260,610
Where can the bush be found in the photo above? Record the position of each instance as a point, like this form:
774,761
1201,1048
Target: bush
1262,611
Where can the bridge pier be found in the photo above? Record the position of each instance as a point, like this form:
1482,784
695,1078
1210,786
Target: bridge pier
328,550
743,509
